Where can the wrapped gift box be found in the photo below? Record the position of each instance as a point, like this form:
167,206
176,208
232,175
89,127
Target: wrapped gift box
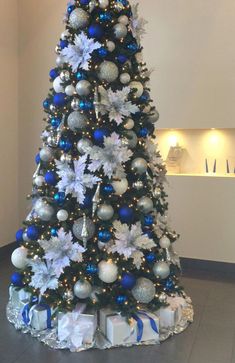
40,316
17,295
169,316
142,328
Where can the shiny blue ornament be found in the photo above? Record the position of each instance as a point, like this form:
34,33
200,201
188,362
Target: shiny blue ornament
95,31
17,279
37,159
122,58
59,197
80,76
133,47
59,99
91,269
87,203
150,258
55,122
143,132
148,233
99,134
107,189
104,17
54,232
126,214
128,281
85,105
50,178
121,299
46,103
19,235
84,2
65,144
32,233
64,44
102,52
145,97
70,8
104,236
169,285
123,2
53,73
148,220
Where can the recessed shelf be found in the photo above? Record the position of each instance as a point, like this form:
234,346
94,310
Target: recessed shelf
203,175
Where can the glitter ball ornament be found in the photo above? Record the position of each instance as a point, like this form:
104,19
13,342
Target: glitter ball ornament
110,46
105,212
78,19
76,121
44,210
164,242
46,154
108,71
78,226
137,87
120,186
84,145
125,78
82,289
161,269
108,271
62,215
144,290
145,204
83,88
120,30
19,257
139,165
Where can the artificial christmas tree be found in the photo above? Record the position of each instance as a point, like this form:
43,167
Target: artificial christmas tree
97,240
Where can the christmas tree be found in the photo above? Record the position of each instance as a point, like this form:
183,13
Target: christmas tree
97,232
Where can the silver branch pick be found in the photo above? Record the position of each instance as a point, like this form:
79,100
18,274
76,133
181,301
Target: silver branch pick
84,233
96,102
37,171
96,200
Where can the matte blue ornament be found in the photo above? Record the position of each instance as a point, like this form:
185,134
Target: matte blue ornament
87,203
84,2
53,73
85,105
70,8
99,134
143,132
37,159
128,281
64,44
121,299
148,233
50,178
148,220
46,103
19,235
55,122
102,52
122,58
59,99
169,285
32,233
107,189
104,236
133,47
17,279
95,31
59,197
54,232
91,269
150,257
144,97
126,214
65,144
104,17
80,76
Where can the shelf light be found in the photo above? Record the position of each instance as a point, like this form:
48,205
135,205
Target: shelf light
173,140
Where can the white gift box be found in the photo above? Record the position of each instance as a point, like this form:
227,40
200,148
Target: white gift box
17,295
41,317
171,315
119,332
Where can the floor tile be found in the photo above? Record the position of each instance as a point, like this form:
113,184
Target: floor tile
219,316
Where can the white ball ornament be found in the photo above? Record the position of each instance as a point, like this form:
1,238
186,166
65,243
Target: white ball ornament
165,242
105,212
139,57
108,271
120,186
62,215
57,85
70,90
125,78
46,154
129,124
110,46
82,289
137,87
103,4
78,19
83,88
84,145
161,269
39,181
64,35
108,71
60,61
123,19
19,258
120,31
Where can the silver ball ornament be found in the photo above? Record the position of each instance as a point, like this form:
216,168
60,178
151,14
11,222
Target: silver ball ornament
83,88
163,297
139,165
137,87
129,124
103,4
120,31
120,186
52,141
108,271
52,108
132,139
66,158
161,269
65,76
65,35
60,61
145,204
76,121
75,104
138,185
154,117
78,19
157,193
105,212
84,145
125,78
78,226
164,242
123,19
19,258
68,295
110,46
46,154
70,90
57,85
44,210
62,215
39,181
82,289
144,290
108,71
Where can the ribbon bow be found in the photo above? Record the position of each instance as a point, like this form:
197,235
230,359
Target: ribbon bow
140,324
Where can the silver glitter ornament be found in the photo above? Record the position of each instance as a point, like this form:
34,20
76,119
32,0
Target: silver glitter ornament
163,297
120,31
75,104
66,158
79,18
137,87
131,139
82,289
129,124
110,46
76,121
65,76
161,269
96,200
144,290
108,71
145,204
105,212
154,117
44,210
125,78
139,165
164,242
83,88
68,295
123,19
78,226
46,154
138,185
84,145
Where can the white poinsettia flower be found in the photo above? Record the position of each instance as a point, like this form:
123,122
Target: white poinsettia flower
44,276
111,157
137,24
61,250
78,54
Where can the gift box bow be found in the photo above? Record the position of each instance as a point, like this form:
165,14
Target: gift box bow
140,324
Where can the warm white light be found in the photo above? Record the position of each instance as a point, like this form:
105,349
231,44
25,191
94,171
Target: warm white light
173,140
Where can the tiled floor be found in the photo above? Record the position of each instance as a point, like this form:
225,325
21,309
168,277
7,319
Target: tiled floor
210,339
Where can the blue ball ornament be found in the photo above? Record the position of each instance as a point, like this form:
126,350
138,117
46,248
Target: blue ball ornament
19,235
17,279
91,269
148,233
59,198
32,233
55,122
148,220
122,58
46,103
65,144
59,99
80,76
85,105
99,134
95,31
70,8
84,2
37,158
87,203
50,178
150,258
128,281
143,132
104,236
121,299
107,189
104,17
64,44
126,214
145,97
133,47
123,2
103,52
53,73
54,232
169,285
